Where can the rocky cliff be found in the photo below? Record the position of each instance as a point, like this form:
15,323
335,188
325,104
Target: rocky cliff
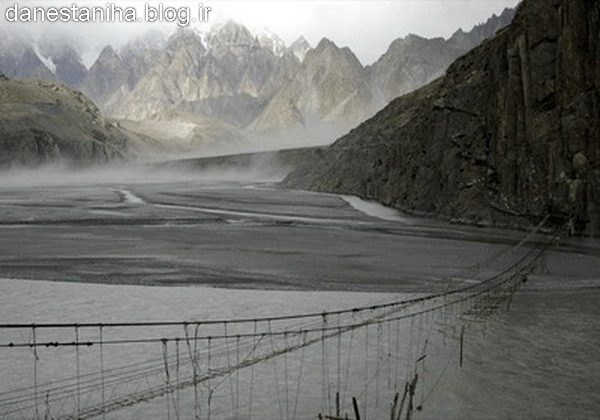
509,135
42,122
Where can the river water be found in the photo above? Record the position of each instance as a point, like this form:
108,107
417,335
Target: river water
84,250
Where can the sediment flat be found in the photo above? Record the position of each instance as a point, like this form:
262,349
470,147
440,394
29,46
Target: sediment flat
194,230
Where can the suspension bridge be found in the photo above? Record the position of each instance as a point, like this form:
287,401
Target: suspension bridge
372,362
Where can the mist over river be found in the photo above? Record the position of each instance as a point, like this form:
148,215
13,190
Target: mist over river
95,248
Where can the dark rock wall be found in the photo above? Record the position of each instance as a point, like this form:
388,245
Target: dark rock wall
510,134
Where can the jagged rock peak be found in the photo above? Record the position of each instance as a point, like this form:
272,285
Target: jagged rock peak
329,50
326,43
108,73
327,46
271,41
107,54
62,55
231,34
299,48
486,29
418,38
185,37
412,41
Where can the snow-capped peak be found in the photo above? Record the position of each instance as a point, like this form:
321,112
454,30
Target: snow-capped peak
268,39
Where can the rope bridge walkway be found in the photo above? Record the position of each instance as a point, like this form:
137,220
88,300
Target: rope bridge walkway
373,362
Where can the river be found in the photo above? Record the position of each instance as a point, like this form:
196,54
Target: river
103,249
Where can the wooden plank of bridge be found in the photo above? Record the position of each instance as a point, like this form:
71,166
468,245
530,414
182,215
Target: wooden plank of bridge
355,406
394,405
404,395
462,338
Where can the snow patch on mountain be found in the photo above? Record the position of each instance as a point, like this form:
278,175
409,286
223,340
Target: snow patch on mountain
46,60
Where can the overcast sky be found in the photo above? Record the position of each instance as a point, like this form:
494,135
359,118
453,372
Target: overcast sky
366,26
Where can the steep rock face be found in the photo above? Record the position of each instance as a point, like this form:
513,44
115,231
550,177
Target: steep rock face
229,75
479,33
108,74
29,65
140,54
50,58
299,48
409,63
509,135
62,57
168,80
271,41
41,122
231,38
18,57
69,68
330,85
114,74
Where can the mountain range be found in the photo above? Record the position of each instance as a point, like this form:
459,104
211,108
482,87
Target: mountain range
193,89
509,136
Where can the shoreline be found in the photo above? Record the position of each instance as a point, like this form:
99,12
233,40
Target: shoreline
536,283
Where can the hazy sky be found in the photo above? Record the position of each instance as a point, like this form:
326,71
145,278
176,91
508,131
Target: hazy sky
366,26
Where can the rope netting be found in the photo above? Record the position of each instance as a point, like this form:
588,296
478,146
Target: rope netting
377,361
